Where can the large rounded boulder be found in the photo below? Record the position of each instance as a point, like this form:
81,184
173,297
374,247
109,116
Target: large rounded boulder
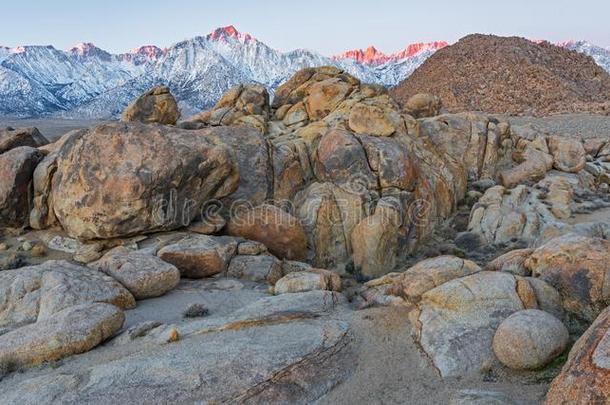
156,105
529,339
118,180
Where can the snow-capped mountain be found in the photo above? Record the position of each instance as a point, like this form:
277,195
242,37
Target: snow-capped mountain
600,55
88,82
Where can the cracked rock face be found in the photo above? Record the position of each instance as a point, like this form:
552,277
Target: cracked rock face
73,330
124,179
16,170
458,319
36,293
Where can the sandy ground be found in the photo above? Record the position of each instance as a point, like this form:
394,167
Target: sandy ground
581,125
392,369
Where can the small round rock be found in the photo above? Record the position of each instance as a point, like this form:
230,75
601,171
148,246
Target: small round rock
529,339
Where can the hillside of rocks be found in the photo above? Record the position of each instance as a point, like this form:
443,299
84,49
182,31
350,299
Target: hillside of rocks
324,246
510,75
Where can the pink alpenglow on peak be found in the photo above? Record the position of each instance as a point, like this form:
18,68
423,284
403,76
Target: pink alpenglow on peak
372,56
223,33
150,51
369,56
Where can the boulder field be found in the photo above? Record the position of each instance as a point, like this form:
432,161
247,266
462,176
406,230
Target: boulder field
324,246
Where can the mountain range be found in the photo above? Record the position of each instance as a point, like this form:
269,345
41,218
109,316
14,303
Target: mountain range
88,82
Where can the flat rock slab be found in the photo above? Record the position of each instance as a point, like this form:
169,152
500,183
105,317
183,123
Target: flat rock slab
259,354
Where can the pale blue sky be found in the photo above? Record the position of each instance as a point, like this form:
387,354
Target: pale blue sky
322,25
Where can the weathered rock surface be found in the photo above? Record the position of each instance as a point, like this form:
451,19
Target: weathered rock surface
529,339
264,268
144,275
156,105
200,256
16,169
568,154
585,378
242,105
511,262
36,293
11,138
481,145
577,266
457,320
415,281
521,213
423,105
302,281
125,179
74,330
281,232
285,348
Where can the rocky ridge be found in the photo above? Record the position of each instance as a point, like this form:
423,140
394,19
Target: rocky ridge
510,76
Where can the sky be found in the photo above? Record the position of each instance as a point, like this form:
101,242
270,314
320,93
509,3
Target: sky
325,26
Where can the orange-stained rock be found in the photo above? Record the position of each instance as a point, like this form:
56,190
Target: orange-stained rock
282,233
125,179
12,138
577,266
200,256
370,120
585,378
431,273
324,97
423,105
568,154
156,105
340,159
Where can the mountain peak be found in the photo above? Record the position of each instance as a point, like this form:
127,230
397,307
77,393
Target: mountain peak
369,56
372,56
87,49
223,33
150,51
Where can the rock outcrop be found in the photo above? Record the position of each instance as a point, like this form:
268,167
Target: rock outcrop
11,138
155,106
16,170
585,378
125,179
577,266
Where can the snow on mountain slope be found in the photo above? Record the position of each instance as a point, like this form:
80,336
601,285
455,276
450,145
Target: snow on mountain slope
88,82
599,54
